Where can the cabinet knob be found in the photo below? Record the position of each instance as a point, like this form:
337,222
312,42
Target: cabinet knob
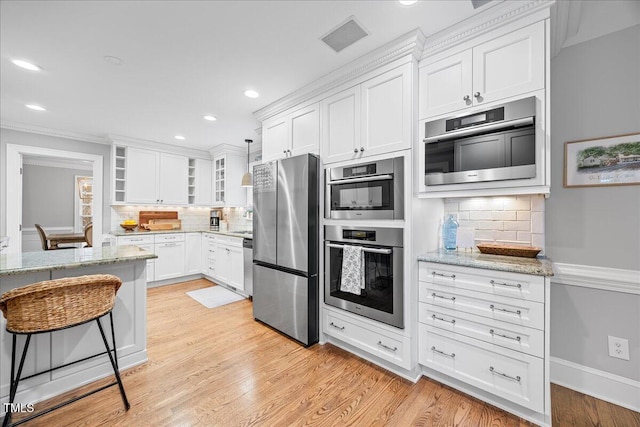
284,151
355,150
361,148
466,98
477,94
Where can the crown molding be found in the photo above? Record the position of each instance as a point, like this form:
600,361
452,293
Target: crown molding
41,130
157,146
64,164
226,149
411,43
490,19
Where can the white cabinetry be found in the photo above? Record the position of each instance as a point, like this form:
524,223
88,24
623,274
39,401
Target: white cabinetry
229,261
504,67
193,253
170,250
200,182
228,169
372,118
209,254
153,177
146,243
487,329
291,133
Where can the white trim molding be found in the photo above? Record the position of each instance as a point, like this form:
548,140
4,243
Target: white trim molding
128,141
603,278
77,136
603,385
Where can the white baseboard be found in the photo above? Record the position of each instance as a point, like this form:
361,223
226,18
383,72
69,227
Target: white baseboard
603,385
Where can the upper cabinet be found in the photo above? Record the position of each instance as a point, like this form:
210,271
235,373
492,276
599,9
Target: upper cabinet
507,66
371,118
228,169
156,178
291,133
200,182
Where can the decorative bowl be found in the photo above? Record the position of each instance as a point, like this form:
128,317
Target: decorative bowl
128,227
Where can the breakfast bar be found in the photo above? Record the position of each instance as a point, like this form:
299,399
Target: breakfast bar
63,346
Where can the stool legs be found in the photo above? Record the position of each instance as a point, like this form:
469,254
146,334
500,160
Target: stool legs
13,386
114,364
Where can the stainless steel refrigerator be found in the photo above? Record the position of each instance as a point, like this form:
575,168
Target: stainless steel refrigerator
285,246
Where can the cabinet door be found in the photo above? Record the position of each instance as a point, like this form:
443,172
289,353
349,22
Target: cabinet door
223,262
193,253
445,85
341,125
387,112
174,179
219,173
170,261
203,182
236,271
143,168
275,138
510,65
305,130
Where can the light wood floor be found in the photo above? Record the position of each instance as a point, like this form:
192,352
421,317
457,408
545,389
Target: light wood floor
219,367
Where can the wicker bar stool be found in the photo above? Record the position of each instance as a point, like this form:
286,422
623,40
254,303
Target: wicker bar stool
58,304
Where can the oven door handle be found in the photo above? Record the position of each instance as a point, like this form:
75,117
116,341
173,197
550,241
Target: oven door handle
474,130
363,179
375,251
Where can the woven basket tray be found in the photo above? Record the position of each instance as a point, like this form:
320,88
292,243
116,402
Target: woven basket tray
60,303
509,250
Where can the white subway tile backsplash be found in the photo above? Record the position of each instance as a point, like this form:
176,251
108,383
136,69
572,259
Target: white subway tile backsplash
523,204
537,222
517,225
463,216
484,235
489,225
537,203
478,215
505,236
524,236
451,206
503,215
537,240
523,216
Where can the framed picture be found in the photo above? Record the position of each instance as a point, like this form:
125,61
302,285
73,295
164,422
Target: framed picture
613,160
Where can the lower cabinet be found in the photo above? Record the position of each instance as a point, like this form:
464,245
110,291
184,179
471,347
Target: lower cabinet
193,253
229,261
487,329
209,250
365,335
170,250
146,243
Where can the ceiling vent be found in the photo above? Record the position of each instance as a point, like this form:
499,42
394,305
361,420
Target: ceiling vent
345,35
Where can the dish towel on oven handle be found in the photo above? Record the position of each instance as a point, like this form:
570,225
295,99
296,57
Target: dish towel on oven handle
352,280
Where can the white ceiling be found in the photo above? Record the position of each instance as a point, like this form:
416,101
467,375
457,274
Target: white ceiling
183,59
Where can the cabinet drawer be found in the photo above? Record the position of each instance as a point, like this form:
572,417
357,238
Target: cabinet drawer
368,338
174,237
511,310
494,282
515,337
511,375
135,240
229,240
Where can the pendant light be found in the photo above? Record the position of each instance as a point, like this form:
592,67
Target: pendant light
247,179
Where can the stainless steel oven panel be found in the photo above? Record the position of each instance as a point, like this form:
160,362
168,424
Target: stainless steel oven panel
394,319
385,169
386,237
496,174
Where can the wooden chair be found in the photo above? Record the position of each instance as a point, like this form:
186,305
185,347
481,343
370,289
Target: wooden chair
43,237
88,235
53,305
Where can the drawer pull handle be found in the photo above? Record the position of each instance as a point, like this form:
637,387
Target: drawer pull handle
434,317
452,276
452,355
517,285
493,307
387,347
493,371
336,326
440,296
492,332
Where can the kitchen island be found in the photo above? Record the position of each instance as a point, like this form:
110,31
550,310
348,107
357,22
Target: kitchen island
49,350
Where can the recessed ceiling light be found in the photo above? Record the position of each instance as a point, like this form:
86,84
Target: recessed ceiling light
180,137
113,60
407,2
210,118
26,65
35,107
250,93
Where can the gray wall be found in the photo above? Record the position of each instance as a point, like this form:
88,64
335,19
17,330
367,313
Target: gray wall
48,195
8,136
595,92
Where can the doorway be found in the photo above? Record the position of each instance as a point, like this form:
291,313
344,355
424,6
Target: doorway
15,157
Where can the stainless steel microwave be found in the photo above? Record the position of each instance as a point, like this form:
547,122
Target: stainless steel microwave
489,145
372,190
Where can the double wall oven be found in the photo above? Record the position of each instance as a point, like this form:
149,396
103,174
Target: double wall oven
378,292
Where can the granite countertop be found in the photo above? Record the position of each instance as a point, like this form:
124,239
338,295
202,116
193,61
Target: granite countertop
30,262
540,266
198,230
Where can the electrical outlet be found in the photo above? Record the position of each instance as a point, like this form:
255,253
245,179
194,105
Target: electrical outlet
618,347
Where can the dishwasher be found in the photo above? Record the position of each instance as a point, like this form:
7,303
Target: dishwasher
247,252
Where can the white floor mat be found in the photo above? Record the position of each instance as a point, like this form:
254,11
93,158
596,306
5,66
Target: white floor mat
214,296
